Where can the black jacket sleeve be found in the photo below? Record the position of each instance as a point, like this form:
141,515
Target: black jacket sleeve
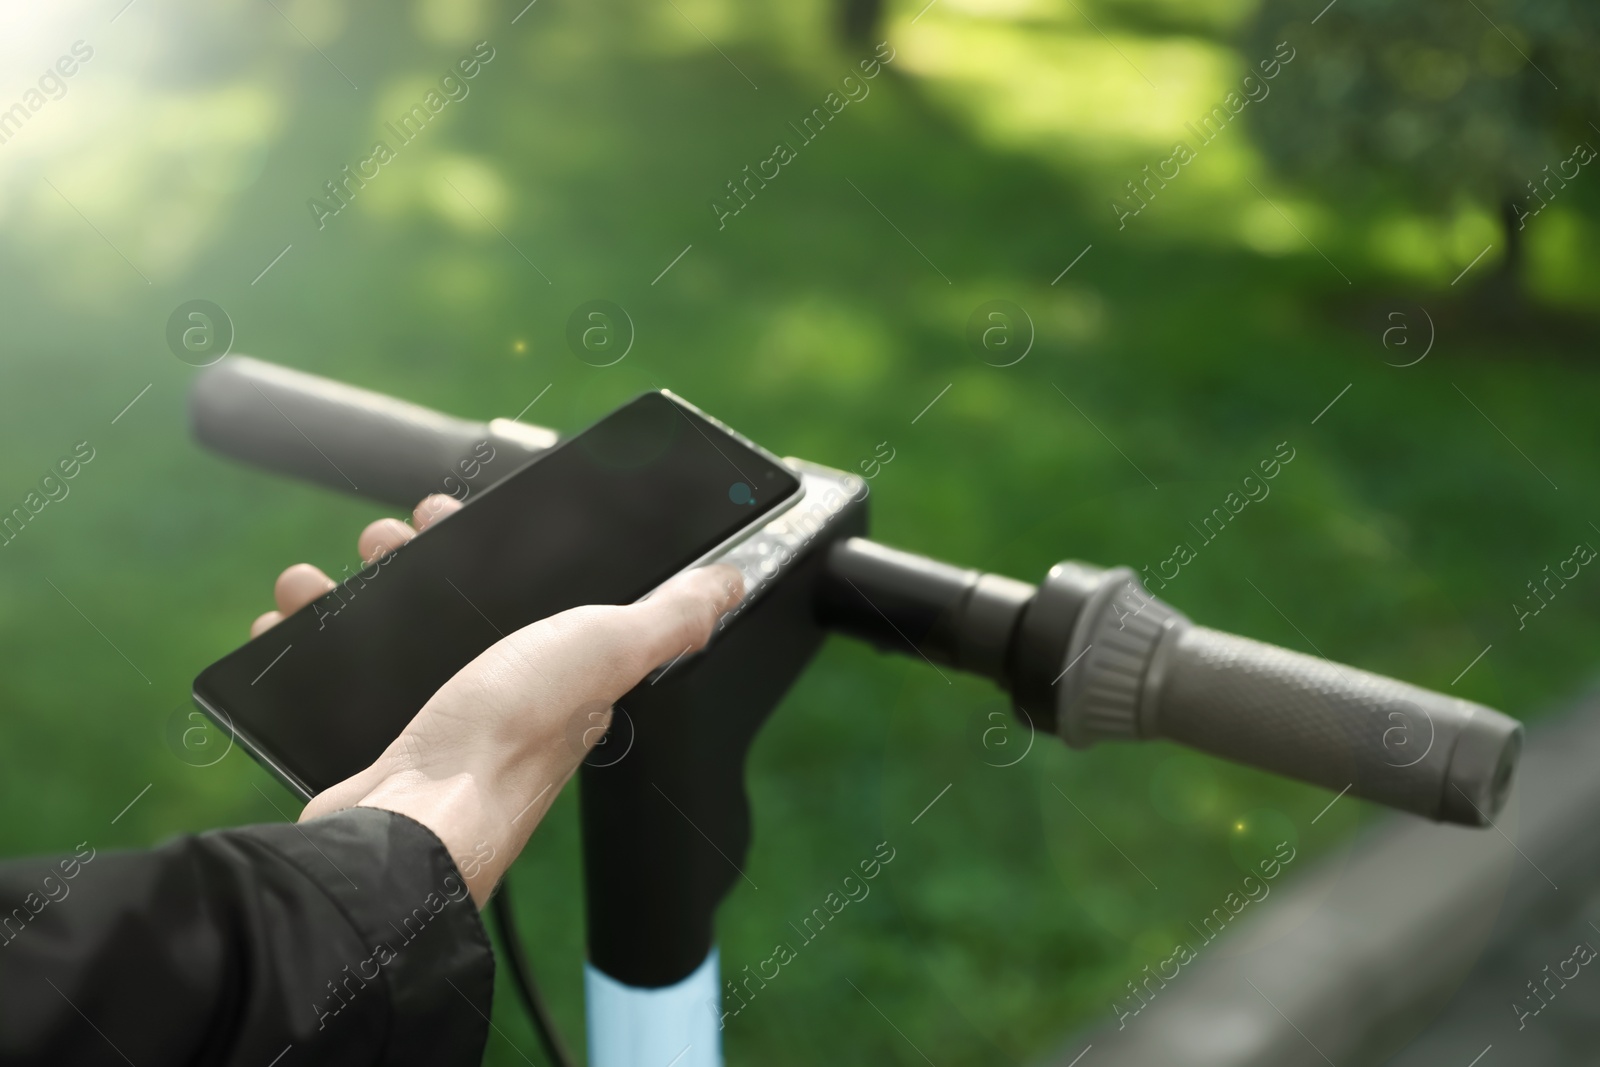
347,940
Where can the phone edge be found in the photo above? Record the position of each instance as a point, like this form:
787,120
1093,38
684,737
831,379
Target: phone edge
287,778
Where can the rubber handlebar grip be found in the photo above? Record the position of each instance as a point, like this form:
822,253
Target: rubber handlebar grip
350,439
1137,669
1336,726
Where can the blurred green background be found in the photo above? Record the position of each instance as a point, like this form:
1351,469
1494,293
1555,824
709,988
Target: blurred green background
1176,353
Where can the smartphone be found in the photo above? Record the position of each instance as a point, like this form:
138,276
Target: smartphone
604,517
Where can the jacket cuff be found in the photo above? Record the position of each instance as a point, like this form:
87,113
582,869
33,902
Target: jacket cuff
397,886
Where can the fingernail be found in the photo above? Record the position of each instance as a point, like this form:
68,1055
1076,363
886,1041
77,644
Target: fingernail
393,534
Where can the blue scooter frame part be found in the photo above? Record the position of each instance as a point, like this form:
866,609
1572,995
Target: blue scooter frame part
671,1026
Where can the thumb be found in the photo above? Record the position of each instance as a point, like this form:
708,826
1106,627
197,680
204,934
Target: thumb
681,616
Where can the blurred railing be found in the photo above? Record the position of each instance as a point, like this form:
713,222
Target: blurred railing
1426,945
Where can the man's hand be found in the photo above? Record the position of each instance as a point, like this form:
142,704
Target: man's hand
483,760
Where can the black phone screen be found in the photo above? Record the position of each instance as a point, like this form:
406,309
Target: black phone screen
602,518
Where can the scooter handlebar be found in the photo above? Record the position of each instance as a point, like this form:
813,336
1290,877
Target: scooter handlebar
1336,726
1089,654
345,438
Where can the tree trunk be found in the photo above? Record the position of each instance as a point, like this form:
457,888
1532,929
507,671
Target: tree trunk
1508,279
1497,300
859,22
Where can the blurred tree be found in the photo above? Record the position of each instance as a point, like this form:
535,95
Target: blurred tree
1487,101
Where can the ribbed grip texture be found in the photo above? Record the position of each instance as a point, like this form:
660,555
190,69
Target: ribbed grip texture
1313,720
1121,637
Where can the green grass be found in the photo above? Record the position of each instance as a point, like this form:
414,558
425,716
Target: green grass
1194,340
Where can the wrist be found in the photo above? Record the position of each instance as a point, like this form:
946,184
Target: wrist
464,817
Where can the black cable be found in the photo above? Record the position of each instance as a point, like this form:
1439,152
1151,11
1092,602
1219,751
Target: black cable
522,975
